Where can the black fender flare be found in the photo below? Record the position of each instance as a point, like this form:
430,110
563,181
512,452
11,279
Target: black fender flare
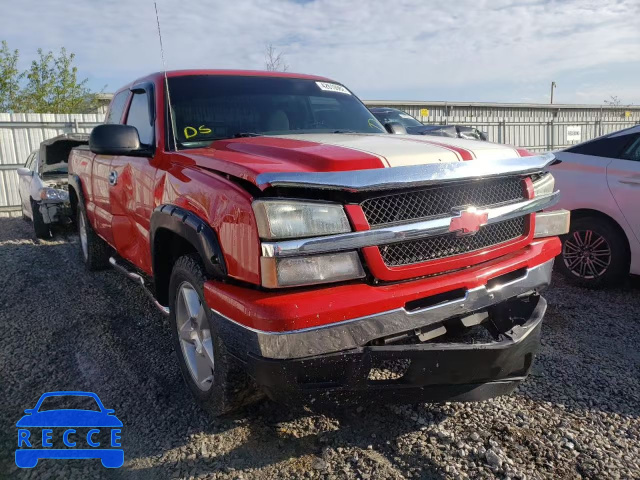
76,183
193,229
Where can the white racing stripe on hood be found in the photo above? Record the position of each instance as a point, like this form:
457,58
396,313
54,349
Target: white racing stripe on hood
480,149
392,150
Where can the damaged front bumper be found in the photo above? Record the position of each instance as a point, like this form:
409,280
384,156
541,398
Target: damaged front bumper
426,372
361,331
471,345
55,212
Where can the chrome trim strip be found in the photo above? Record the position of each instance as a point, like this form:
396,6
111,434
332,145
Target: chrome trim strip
360,331
398,233
406,176
138,279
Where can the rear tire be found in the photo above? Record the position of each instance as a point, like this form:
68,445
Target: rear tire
594,253
94,251
41,229
216,379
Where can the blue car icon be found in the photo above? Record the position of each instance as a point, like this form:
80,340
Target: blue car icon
66,428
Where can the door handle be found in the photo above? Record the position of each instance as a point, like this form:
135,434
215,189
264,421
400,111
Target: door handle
113,177
629,181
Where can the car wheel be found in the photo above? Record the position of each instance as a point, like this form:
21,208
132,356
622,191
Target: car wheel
41,229
217,380
94,251
594,253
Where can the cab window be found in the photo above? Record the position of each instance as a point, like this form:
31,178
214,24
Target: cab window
29,163
633,151
138,117
609,147
117,107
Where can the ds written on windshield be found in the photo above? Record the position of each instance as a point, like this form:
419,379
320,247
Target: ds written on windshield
208,108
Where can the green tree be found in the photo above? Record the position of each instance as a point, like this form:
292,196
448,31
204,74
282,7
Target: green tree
53,87
10,78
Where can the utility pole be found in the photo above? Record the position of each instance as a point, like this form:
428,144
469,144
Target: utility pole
553,85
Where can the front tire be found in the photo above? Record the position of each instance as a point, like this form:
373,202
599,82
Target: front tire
594,253
94,251
216,379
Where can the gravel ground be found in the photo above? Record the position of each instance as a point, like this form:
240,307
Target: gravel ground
578,415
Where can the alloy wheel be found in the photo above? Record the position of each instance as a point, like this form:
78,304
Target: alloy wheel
194,334
586,254
82,229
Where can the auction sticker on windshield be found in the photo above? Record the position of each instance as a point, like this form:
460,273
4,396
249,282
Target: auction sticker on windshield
69,425
332,87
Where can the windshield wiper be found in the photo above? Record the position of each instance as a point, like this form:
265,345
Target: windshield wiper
247,134
344,131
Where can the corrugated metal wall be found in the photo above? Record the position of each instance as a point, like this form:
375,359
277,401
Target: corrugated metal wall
535,127
532,126
20,134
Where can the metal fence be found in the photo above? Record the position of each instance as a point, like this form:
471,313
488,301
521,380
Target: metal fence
539,136
511,112
537,128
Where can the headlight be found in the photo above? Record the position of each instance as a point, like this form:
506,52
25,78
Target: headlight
54,194
287,219
298,271
550,224
544,185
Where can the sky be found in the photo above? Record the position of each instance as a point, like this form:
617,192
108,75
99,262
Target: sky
485,51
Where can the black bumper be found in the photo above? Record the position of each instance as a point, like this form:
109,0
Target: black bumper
433,372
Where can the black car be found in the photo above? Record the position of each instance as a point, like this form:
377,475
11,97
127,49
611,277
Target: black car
392,116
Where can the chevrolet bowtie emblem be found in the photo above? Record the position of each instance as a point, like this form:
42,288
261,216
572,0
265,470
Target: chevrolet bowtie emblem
468,221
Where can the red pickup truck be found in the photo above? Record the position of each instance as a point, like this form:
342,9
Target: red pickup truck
303,252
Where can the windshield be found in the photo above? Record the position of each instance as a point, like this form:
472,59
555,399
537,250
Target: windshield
208,108
397,116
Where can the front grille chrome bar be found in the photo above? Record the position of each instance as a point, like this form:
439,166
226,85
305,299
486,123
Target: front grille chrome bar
399,233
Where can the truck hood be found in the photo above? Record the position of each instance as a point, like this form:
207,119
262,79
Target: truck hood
249,157
54,152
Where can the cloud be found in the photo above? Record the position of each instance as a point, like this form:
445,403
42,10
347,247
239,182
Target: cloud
499,50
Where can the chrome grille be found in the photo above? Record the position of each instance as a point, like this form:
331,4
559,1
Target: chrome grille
442,246
436,201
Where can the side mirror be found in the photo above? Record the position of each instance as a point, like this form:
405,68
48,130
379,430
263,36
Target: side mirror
484,136
395,128
22,171
109,411
29,411
111,139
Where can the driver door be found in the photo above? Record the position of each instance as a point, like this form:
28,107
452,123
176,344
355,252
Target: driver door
131,186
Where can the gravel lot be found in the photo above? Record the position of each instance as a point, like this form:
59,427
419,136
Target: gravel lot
578,415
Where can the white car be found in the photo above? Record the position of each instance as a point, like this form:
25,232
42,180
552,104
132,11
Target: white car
599,181
43,183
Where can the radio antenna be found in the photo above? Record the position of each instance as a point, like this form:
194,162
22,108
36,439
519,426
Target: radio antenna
166,82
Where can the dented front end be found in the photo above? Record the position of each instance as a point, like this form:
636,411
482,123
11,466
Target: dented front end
436,269
54,204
